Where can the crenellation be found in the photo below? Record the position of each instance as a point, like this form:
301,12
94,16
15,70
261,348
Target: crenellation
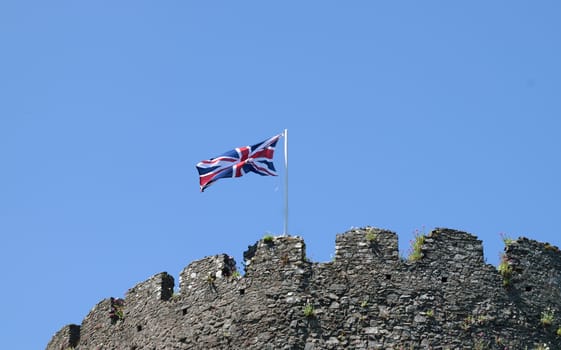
96,323
66,338
274,253
366,298
458,249
367,246
206,275
156,288
282,259
536,278
140,305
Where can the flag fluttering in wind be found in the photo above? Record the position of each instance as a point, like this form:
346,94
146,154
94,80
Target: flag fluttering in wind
235,163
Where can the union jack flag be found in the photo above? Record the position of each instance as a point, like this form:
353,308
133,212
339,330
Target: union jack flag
235,163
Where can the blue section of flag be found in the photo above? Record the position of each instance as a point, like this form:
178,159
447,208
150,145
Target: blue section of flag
235,163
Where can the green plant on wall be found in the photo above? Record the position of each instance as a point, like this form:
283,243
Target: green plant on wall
117,312
505,269
429,313
309,311
370,235
210,278
467,322
417,242
507,240
547,317
268,239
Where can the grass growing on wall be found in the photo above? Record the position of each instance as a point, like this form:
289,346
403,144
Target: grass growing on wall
417,242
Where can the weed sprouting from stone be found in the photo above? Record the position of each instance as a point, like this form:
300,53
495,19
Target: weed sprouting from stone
467,322
429,313
210,278
547,317
370,235
507,240
117,309
309,311
417,242
505,269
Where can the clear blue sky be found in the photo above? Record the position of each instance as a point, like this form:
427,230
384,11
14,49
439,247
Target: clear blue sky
402,114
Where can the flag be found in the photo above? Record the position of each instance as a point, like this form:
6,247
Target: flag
235,163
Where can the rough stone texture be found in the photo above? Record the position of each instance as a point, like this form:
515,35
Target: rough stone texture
66,338
366,298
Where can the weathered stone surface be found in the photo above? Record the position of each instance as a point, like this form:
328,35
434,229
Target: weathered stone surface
66,338
367,298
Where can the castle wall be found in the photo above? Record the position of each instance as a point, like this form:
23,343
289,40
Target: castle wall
366,298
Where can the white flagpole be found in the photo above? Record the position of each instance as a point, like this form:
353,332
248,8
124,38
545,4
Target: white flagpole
285,182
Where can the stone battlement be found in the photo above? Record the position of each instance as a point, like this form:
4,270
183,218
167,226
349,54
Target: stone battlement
366,298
